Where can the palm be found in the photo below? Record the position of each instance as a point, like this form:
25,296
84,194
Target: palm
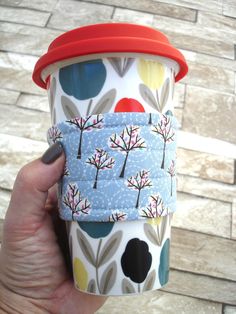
32,263
32,248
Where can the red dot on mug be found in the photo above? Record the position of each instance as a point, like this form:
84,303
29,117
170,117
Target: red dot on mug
129,105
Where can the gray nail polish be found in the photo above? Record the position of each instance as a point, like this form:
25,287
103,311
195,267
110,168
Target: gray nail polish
52,153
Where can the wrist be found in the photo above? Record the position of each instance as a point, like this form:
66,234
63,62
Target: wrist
11,303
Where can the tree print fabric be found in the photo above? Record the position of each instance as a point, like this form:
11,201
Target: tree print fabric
124,169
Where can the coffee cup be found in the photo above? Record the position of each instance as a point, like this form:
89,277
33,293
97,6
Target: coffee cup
110,90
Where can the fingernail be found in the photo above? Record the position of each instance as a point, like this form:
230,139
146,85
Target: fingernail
52,153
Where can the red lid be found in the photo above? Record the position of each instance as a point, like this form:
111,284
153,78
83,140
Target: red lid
105,38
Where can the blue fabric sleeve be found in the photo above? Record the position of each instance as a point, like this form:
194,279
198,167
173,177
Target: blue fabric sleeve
119,166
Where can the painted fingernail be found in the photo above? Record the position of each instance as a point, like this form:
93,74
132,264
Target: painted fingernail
52,153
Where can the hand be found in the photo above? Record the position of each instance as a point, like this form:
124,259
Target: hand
33,274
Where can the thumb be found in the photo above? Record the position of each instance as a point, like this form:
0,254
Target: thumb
30,191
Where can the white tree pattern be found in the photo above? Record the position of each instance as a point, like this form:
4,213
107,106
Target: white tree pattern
155,208
127,141
172,173
86,125
101,161
117,216
165,130
139,182
54,134
74,201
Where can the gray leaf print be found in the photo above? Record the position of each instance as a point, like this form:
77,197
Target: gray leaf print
147,95
165,93
150,281
52,93
105,103
92,286
127,286
108,278
121,65
69,108
86,248
110,248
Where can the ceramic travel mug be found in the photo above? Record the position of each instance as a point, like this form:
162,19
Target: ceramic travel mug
110,90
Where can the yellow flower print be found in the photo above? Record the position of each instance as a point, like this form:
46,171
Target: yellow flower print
80,274
152,73
154,221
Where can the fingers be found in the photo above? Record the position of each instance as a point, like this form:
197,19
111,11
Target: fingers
52,199
62,239
67,299
32,184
